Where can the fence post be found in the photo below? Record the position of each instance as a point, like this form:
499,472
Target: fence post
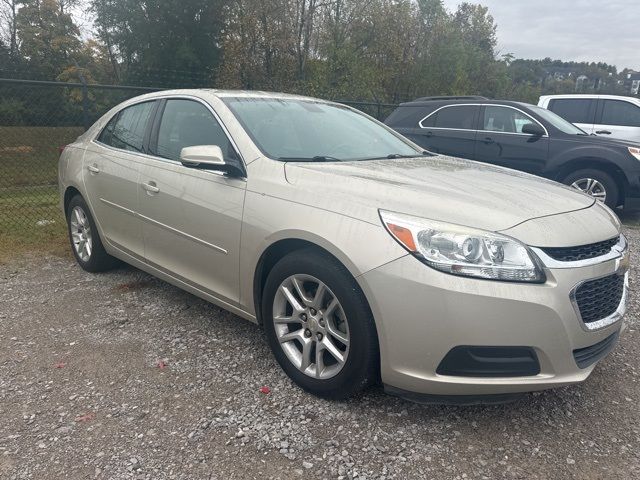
85,99
85,106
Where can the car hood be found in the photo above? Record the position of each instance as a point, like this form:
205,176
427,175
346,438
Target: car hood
439,188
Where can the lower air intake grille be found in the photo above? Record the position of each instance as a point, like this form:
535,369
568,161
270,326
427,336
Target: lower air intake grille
597,299
589,355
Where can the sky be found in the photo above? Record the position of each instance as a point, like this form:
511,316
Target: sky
580,30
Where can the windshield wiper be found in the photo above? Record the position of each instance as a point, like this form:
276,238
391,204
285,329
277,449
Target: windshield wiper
400,155
317,158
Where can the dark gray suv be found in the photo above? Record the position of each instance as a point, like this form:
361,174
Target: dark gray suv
524,137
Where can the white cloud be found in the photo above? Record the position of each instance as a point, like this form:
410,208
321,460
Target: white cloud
580,30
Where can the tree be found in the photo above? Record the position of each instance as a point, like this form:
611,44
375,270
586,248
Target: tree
477,31
4,53
49,39
8,25
149,37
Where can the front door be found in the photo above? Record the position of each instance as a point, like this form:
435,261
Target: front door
110,167
191,218
502,142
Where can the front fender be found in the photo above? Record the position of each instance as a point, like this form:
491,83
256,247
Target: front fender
360,246
606,156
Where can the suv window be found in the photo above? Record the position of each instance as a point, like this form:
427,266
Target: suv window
186,123
453,116
575,110
126,129
503,119
621,113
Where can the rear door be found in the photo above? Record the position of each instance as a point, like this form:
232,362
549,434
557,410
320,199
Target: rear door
191,218
111,176
579,111
450,130
618,119
501,141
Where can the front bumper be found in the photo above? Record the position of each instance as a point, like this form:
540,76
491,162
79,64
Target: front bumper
422,314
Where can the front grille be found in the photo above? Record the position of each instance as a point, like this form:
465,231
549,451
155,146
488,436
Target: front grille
581,252
590,355
597,299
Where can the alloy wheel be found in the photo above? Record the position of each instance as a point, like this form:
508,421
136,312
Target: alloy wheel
591,187
311,326
81,233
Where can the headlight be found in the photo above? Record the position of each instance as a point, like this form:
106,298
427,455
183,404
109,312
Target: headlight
635,151
464,251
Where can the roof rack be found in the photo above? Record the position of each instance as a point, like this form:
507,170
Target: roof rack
462,97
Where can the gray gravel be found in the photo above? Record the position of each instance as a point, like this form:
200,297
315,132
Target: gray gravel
120,375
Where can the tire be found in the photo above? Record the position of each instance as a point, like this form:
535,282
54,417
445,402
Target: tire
360,367
95,258
581,177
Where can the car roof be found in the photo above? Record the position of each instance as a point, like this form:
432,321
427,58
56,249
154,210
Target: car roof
232,94
439,102
590,96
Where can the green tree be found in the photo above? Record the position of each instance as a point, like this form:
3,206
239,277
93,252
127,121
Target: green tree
178,37
48,37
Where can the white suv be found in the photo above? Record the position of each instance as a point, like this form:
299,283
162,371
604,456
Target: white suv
610,115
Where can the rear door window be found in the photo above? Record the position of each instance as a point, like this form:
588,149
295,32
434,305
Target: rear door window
126,130
461,117
405,116
574,110
620,113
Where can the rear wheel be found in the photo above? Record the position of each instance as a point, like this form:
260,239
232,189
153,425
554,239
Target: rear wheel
85,240
319,326
596,183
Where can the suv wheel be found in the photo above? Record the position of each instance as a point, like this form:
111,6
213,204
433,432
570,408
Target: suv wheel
596,183
319,325
85,240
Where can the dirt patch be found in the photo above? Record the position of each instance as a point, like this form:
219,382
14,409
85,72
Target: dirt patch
131,286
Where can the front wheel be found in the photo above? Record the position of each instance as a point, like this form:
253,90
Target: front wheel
596,183
319,325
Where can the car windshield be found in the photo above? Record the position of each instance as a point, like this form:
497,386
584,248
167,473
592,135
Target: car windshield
558,122
306,130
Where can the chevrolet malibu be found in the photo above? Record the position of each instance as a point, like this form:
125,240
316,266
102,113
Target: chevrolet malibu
364,258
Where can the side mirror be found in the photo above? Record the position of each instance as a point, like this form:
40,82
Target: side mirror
533,129
208,157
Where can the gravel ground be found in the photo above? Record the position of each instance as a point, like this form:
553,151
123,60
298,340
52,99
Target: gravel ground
120,375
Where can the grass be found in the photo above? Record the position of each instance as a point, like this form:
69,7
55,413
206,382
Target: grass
30,219
29,155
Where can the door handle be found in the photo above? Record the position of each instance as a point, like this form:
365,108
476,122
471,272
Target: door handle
603,132
150,187
93,169
488,141
428,134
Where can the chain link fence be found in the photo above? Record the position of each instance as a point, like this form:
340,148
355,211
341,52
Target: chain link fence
37,118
